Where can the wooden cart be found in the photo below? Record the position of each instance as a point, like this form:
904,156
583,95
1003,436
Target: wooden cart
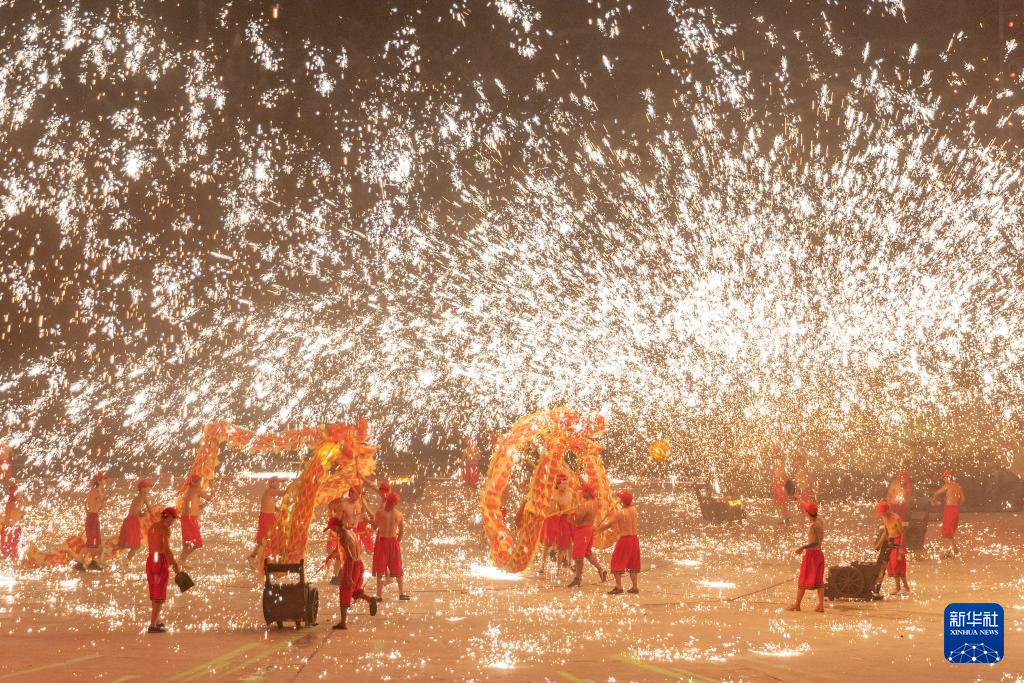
297,602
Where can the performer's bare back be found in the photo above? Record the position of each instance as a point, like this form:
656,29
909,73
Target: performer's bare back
388,522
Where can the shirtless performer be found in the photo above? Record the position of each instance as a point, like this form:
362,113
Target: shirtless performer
10,529
898,495
191,509
131,528
951,514
626,555
387,551
94,503
158,563
892,537
583,534
812,567
351,572
268,511
355,513
557,531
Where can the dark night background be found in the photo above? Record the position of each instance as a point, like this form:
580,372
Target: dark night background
411,57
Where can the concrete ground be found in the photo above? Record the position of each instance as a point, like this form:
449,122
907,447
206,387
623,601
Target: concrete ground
710,607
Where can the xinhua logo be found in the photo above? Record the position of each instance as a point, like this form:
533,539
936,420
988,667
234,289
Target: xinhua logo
974,632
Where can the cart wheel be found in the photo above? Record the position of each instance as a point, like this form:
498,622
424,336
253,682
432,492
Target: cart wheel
849,582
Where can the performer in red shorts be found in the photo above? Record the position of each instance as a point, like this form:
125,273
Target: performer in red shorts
356,515
191,510
583,534
626,555
94,503
387,552
892,537
268,511
557,531
951,513
812,567
351,572
10,524
131,528
157,565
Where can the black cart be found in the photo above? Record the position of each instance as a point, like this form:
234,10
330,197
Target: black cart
718,509
858,580
855,581
297,602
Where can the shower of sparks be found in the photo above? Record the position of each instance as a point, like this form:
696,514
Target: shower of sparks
827,251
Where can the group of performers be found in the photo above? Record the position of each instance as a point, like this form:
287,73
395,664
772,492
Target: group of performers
349,535
894,514
568,530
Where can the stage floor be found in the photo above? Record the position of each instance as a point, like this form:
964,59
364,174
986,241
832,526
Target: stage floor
705,611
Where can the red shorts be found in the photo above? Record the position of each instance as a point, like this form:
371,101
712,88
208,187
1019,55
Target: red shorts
93,537
190,532
950,520
9,542
131,532
157,575
812,569
557,531
582,540
626,555
897,561
265,524
387,557
351,582
362,530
